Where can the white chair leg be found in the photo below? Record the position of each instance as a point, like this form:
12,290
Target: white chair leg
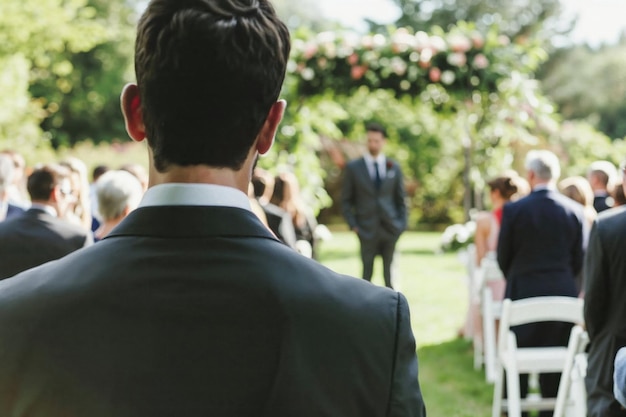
514,406
489,335
498,390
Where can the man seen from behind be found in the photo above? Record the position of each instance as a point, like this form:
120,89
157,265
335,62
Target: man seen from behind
191,306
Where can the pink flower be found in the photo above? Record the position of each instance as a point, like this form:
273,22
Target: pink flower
434,74
353,59
478,40
358,71
480,61
309,51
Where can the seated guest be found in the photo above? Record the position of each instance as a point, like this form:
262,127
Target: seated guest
139,172
79,211
93,198
578,189
41,234
278,220
7,210
17,189
619,198
601,175
286,195
119,193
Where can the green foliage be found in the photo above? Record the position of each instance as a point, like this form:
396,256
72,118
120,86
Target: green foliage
82,102
28,45
438,95
454,62
595,91
434,286
521,18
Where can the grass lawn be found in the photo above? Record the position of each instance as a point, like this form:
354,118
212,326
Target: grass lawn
435,287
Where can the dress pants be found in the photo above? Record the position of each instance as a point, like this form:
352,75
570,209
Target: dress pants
383,245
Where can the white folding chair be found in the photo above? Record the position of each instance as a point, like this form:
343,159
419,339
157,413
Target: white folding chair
513,360
472,268
570,400
491,311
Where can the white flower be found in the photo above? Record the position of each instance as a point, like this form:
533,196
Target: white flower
448,77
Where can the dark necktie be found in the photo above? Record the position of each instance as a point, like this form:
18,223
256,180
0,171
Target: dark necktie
377,180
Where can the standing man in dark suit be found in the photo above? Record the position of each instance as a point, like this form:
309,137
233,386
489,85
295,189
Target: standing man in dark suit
7,210
40,234
540,251
601,175
373,204
605,309
190,306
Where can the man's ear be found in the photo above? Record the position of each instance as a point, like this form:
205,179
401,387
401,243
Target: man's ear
266,136
131,109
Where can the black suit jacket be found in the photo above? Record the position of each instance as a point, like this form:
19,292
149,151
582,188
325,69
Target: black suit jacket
13,211
605,308
36,237
540,245
200,311
600,202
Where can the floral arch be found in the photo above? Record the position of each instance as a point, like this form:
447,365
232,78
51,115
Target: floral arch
483,81
436,66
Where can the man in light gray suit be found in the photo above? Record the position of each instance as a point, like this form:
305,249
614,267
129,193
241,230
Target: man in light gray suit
373,203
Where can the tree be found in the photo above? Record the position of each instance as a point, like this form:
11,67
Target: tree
514,18
82,101
595,91
29,46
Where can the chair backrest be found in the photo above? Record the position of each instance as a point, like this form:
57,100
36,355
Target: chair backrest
538,309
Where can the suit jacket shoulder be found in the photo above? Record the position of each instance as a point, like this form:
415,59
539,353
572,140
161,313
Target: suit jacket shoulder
209,298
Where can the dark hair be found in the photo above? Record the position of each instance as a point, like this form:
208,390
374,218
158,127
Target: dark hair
375,127
279,190
208,73
505,185
258,184
98,171
43,179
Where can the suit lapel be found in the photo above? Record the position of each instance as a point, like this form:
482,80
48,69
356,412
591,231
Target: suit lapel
191,222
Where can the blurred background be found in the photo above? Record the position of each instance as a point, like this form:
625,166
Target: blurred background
505,76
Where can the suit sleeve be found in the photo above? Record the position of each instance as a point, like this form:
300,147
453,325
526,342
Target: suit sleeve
505,241
348,197
406,397
400,198
596,284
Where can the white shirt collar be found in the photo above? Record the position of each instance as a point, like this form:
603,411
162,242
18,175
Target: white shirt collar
44,207
544,186
380,159
179,194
